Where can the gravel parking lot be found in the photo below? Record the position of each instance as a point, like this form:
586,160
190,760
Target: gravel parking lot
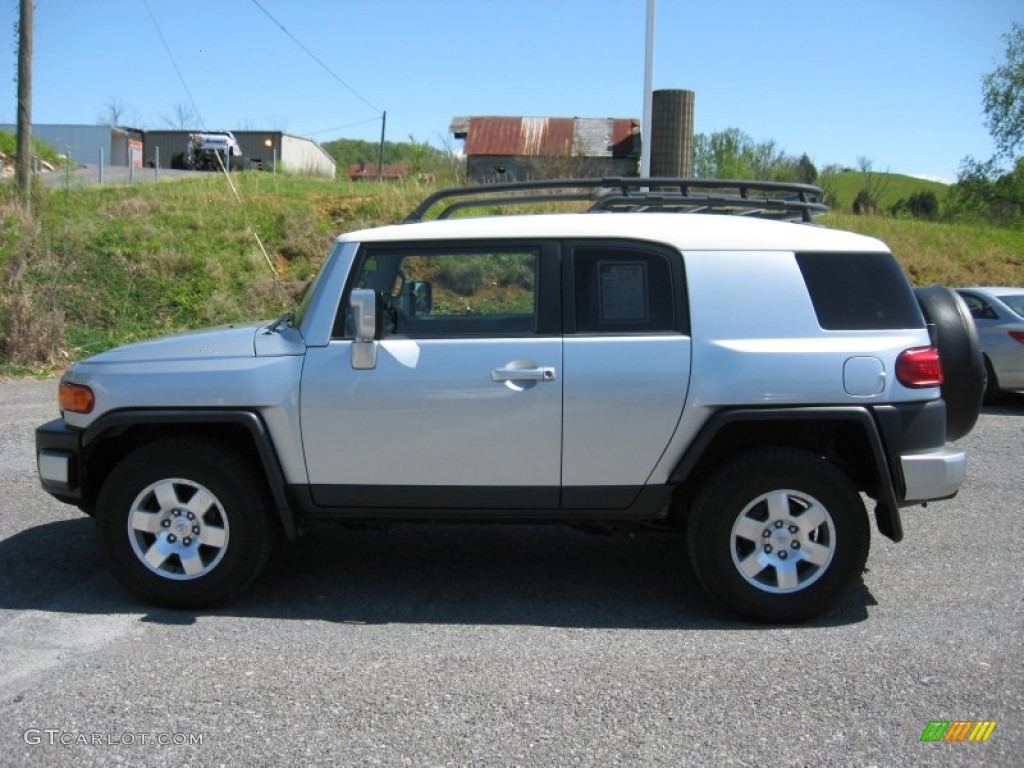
495,646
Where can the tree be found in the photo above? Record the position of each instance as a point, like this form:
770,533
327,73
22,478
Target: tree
1003,96
870,195
987,190
732,154
184,116
115,112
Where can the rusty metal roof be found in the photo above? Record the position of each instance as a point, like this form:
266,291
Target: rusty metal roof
369,171
533,136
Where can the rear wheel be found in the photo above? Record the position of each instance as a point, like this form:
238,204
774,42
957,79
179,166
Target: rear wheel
778,534
184,523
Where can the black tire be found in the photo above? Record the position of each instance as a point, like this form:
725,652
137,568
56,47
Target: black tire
178,161
184,523
239,163
778,535
993,393
963,368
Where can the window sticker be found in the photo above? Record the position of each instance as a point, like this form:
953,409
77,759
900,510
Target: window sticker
623,286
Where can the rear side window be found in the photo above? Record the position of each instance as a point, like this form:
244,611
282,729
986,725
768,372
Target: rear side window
622,290
859,292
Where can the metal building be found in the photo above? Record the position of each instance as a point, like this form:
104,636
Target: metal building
266,149
515,148
84,143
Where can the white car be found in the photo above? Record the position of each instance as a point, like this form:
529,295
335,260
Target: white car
999,315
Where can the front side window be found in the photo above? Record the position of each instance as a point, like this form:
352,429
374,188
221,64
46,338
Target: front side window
437,292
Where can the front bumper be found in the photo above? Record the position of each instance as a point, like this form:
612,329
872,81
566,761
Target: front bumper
59,460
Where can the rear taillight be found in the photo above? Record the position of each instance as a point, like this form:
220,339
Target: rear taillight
1017,336
919,367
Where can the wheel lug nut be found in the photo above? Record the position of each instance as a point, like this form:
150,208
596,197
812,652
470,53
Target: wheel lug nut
782,555
176,513
778,523
190,516
793,529
768,548
795,545
195,529
166,523
186,541
172,538
767,532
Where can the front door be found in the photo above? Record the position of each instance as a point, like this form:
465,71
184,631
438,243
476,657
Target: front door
462,407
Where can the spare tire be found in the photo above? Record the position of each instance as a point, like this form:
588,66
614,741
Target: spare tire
963,368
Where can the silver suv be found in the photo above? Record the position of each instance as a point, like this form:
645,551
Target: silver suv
648,364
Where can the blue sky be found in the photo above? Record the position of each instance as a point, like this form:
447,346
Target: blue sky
896,81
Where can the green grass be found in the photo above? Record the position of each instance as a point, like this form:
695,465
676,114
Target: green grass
9,147
100,266
945,253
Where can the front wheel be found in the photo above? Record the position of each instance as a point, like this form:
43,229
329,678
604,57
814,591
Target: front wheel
778,534
184,523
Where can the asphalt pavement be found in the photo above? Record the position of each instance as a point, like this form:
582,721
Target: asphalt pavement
502,646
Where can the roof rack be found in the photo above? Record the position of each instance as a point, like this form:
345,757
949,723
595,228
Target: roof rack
782,201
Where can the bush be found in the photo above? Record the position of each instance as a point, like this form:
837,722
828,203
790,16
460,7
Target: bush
864,204
920,205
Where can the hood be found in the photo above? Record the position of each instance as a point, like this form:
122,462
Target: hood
224,342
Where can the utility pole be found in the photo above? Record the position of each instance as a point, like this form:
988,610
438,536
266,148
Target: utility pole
380,152
646,132
23,171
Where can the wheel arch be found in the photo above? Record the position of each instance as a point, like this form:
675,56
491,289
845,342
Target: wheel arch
848,436
114,435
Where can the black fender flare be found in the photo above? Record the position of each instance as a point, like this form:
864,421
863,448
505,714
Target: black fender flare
118,421
887,512
963,367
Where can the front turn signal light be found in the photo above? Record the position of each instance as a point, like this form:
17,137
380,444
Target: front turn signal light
76,398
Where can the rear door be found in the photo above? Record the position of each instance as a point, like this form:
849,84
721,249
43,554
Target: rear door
627,367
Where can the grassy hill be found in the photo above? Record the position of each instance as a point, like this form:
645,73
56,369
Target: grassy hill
100,266
896,187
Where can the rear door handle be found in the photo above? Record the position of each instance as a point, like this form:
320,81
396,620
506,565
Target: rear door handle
523,374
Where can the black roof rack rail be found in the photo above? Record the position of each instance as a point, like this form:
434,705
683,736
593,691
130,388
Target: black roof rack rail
780,200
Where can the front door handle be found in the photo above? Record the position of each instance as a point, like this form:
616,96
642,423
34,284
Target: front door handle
523,374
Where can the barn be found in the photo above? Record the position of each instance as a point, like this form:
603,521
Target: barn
519,148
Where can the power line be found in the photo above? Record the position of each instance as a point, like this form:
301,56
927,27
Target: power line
174,63
227,176
313,56
343,127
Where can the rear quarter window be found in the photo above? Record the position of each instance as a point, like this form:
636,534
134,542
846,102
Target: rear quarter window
859,292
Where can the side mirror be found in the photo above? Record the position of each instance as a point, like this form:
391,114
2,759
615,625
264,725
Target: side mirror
368,324
367,315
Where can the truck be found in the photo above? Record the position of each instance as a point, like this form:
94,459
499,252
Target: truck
211,151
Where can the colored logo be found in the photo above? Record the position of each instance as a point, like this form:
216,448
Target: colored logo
958,730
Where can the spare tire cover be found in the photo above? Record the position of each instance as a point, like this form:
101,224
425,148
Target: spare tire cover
963,368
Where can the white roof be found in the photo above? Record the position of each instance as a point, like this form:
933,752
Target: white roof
684,231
